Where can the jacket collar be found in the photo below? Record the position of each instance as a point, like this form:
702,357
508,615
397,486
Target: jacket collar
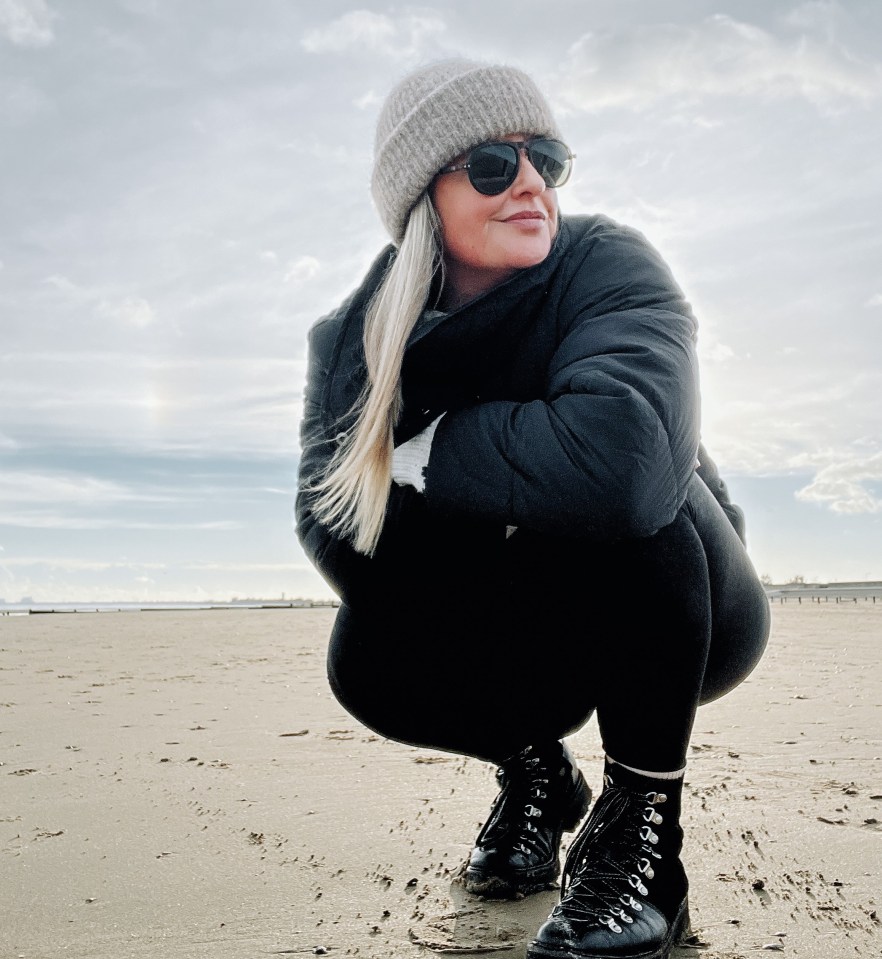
501,299
443,345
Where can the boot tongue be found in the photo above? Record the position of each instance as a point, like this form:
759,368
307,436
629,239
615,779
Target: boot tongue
662,795
526,764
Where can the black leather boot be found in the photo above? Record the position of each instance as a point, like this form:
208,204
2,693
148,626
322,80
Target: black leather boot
517,851
624,892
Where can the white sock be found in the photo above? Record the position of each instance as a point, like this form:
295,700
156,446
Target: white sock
677,774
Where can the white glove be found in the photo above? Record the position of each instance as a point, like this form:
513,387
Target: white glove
409,461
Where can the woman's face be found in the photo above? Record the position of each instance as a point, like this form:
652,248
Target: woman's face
487,239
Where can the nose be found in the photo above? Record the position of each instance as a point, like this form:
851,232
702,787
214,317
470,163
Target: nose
528,179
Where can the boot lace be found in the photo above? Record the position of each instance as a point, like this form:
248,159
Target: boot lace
525,785
611,861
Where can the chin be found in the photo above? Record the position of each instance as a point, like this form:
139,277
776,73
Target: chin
535,253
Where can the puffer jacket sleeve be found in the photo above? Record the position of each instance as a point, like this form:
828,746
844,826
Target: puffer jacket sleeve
316,448
353,576
707,470
607,452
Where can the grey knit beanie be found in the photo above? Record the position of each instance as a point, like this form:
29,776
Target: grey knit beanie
439,112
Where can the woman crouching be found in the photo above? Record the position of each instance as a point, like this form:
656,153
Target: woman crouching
502,479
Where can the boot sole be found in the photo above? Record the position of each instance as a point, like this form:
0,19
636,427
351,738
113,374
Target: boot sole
680,930
497,887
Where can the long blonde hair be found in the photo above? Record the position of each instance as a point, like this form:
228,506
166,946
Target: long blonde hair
354,489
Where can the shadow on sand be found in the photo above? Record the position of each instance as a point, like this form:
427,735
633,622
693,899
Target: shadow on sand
480,927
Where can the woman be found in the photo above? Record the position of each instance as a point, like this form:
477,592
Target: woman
501,478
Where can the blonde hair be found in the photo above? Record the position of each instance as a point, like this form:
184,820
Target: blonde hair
354,489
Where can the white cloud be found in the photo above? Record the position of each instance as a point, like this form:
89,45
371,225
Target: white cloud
25,487
26,23
780,424
67,286
875,300
368,100
144,8
127,310
302,270
847,487
365,30
357,28
133,311
157,403
23,102
58,521
705,123
815,13
717,353
720,56
76,563
241,567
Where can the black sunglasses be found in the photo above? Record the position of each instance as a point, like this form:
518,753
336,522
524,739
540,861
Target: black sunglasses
493,166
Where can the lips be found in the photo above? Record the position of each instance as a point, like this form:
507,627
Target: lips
525,215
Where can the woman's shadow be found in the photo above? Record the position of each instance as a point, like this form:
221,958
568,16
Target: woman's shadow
480,927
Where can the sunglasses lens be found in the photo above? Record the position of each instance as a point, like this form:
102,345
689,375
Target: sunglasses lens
552,160
493,167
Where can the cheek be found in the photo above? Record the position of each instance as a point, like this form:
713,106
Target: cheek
461,240
464,225
552,210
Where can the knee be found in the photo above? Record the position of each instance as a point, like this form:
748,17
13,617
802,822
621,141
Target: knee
737,645
350,670
670,569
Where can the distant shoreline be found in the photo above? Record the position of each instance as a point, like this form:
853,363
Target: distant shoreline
34,609
826,592
869,591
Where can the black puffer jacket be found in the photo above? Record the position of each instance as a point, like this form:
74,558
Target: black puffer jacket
572,409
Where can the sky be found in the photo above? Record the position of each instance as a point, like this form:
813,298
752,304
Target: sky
184,190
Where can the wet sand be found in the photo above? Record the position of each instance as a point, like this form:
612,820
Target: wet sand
184,785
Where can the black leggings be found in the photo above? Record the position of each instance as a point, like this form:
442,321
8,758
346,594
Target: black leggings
640,631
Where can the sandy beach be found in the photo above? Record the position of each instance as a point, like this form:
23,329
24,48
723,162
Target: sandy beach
183,784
